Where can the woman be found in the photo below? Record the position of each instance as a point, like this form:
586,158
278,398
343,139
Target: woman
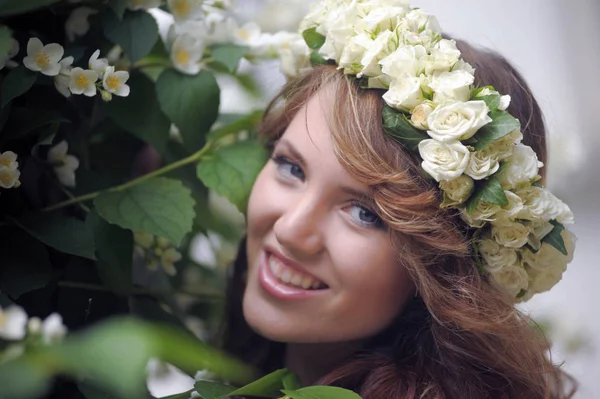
359,270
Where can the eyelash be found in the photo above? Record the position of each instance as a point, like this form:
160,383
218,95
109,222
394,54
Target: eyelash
281,161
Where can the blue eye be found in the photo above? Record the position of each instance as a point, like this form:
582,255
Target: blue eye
288,168
364,216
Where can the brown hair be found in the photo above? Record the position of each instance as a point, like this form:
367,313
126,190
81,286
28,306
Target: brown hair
461,337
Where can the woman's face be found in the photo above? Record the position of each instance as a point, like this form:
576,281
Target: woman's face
320,263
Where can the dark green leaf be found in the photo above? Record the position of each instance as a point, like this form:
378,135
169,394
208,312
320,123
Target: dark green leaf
160,206
502,124
182,395
140,113
190,102
229,55
23,120
231,170
269,385
11,7
119,7
489,191
321,392
475,93
213,390
6,40
397,126
16,83
114,250
136,33
25,265
291,381
317,59
22,380
492,101
91,391
313,39
65,234
555,239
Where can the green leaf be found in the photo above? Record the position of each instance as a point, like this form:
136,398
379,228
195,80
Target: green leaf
269,385
489,191
119,7
136,33
313,39
182,395
475,93
231,170
492,101
6,39
229,56
235,124
12,7
16,83
25,264
317,59
213,390
140,113
65,234
291,381
23,121
502,124
160,206
555,239
90,391
397,125
114,250
321,392
190,102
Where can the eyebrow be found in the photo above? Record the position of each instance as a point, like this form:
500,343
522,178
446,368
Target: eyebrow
292,150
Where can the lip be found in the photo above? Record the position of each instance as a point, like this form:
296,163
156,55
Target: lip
273,286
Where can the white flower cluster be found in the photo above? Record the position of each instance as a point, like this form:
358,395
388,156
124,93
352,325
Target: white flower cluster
64,164
9,172
489,176
15,325
101,76
157,251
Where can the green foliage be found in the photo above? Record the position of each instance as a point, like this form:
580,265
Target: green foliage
231,171
397,125
17,82
160,206
489,191
12,7
229,56
502,124
321,392
136,33
140,114
555,239
118,7
313,39
190,102
6,41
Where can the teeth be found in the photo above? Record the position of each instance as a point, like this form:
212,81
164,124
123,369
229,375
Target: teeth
290,277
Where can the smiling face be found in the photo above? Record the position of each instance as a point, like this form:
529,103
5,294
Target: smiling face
321,267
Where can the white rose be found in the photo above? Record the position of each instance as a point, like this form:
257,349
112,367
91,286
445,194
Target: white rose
383,45
294,57
504,103
404,93
523,167
420,114
512,235
485,212
455,85
542,281
379,19
503,147
512,278
353,53
418,21
548,257
539,204
495,256
457,191
510,211
457,120
462,65
403,60
443,161
481,165
443,56
337,27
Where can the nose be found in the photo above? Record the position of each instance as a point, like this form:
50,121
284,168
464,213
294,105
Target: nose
298,229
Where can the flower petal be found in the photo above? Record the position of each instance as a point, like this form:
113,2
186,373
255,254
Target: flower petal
58,152
123,91
51,69
65,176
122,76
31,64
55,51
34,46
71,162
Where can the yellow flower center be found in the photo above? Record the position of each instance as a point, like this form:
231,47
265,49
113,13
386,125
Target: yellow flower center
112,82
42,59
181,7
182,57
6,179
243,34
82,81
5,162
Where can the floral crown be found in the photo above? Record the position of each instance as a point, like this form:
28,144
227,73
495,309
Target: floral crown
466,139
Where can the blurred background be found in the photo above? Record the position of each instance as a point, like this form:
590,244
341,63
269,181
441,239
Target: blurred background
556,46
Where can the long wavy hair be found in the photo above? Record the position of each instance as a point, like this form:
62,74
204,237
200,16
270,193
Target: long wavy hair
460,337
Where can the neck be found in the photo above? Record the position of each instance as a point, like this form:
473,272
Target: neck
310,362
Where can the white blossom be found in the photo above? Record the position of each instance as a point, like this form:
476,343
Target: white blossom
42,58
53,329
13,322
64,164
186,54
523,167
77,24
98,65
83,81
455,85
114,82
186,10
62,80
512,278
9,178
6,59
404,93
452,120
504,103
443,161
